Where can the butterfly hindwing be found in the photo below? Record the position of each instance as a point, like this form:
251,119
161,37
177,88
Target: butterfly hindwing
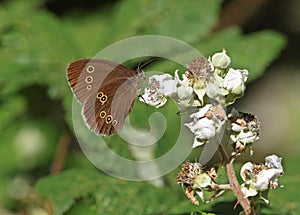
105,111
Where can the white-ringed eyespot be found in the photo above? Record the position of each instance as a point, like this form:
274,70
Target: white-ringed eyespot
89,79
90,69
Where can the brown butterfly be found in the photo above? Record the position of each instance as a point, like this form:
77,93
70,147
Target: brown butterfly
107,91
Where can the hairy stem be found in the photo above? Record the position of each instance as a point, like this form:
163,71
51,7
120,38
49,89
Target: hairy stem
234,185
245,203
221,186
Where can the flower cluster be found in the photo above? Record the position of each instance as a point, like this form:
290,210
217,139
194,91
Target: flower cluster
196,180
206,123
205,80
209,85
244,129
259,178
160,87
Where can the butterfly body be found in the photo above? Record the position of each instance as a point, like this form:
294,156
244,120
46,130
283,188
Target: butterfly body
107,91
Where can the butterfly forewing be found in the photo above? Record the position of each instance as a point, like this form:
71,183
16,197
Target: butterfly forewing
85,76
107,91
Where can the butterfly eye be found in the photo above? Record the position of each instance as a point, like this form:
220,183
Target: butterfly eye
102,114
99,95
90,69
89,79
103,99
109,119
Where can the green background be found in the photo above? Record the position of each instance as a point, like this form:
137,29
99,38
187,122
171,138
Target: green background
43,170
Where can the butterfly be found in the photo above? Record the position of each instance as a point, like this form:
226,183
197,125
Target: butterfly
106,90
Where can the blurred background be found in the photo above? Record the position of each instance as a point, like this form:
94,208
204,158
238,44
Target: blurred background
42,168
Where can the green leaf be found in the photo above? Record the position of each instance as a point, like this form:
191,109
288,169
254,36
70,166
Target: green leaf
256,51
108,195
186,20
34,49
10,108
65,188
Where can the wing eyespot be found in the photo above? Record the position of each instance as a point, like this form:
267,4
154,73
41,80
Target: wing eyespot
89,79
89,87
103,99
109,119
99,95
102,114
90,69
114,122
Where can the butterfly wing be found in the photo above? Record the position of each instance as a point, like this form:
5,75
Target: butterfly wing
104,112
85,76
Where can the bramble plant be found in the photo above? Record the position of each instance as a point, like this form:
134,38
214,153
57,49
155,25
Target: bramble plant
44,171
211,85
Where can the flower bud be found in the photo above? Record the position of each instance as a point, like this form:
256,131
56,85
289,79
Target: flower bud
221,60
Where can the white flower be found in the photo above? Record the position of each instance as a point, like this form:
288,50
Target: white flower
195,180
199,88
202,180
267,179
274,161
221,60
236,127
153,98
261,177
248,189
215,89
161,87
206,123
202,127
184,82
245,129
164,84
235,79
186,89
185,92
246,169
245,137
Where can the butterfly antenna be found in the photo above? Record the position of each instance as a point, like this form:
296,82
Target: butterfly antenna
141,66
181,112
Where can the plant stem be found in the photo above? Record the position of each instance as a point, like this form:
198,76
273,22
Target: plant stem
221,186
61,151
235,187
245,203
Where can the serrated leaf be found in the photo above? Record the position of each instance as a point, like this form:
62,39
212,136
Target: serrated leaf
34,49
134,198
185,20
256,51
111,196
65,188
